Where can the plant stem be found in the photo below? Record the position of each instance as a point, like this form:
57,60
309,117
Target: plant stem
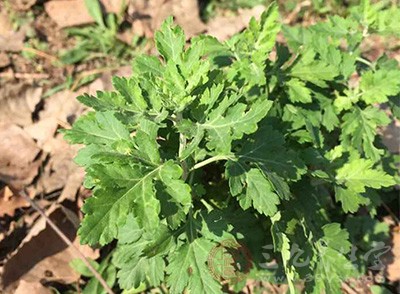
182,145
205,203
366,62
190,219
210,160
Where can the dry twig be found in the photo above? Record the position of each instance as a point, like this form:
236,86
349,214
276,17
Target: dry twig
27,76
41,54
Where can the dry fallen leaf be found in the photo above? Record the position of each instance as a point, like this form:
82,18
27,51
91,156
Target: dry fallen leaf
4,60
62,106
393,269
25,287
224,27
23,4
104,83
43,256
56,267
391,137
12,42
60,172
187,15
65,108
142,14
67,13
19,161
18,102
185,12
61,169
148,16
5,23
9,202
114,6
72,185
9,39
43,130
373,47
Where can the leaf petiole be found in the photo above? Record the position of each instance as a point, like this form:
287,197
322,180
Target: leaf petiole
210,160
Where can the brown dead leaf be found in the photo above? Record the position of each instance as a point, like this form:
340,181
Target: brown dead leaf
56,268
30,219
9,202
4,60
104,83
5,23
9,39
372,47
43,130
393,269
20,160
67,13
62,106
10,238
185,12
224,27
187,15
65,108
127,36
61,171
25,287
123,71
142,12
140,28
18,102
72,185
12,42
391,137
43,256
23,4
114,6
99,84
148,16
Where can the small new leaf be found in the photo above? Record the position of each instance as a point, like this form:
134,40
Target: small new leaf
170,41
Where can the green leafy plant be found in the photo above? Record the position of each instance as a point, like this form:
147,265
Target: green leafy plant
209,8
223,141
99,40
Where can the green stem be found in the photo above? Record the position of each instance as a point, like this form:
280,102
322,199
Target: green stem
191,235
205,203
182,145
210,160
366,62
